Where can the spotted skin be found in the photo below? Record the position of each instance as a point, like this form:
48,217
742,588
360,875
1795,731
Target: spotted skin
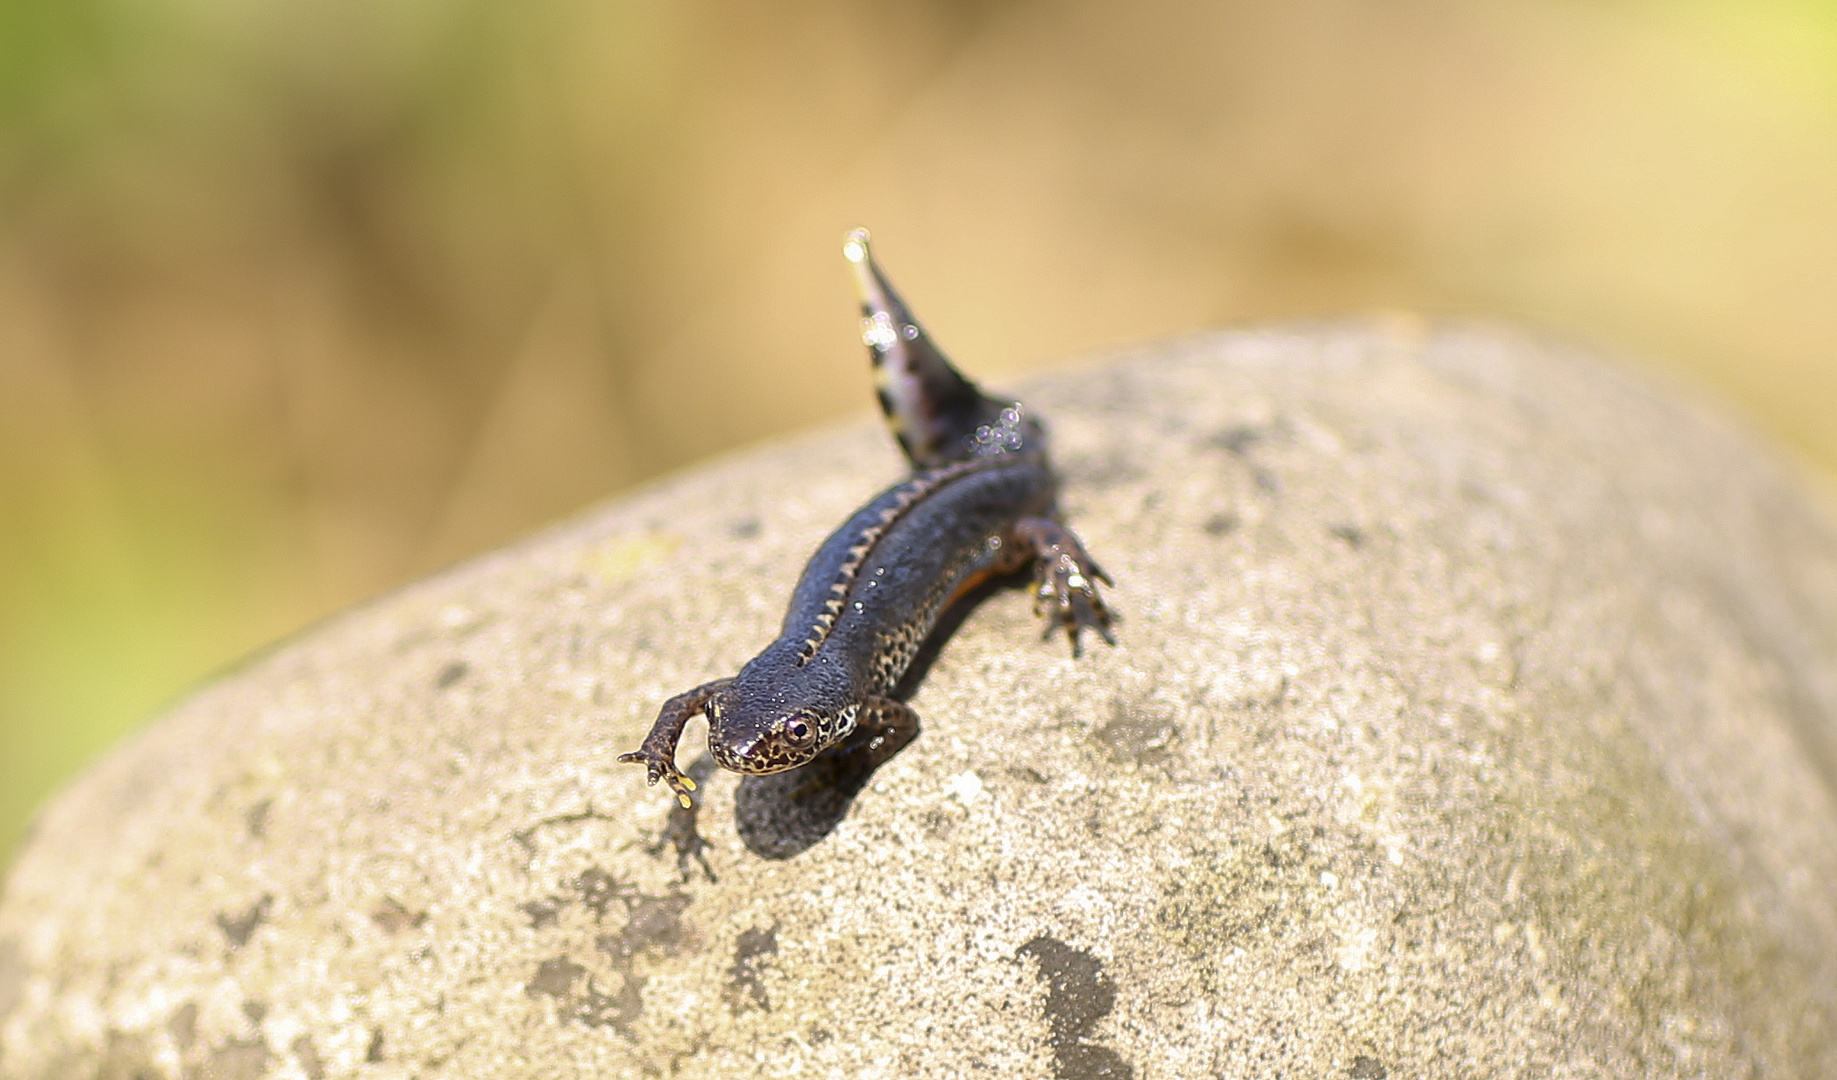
980,503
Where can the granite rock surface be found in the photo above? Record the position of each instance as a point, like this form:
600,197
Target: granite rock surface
1474,715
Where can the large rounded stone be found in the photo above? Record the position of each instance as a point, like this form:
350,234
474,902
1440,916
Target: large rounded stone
1474,715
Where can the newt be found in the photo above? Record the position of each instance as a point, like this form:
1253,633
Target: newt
981,502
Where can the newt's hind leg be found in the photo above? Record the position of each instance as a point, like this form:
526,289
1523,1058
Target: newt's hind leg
1066,580
882,729
890,726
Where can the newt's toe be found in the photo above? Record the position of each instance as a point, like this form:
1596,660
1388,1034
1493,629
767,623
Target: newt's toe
660,768
1067,597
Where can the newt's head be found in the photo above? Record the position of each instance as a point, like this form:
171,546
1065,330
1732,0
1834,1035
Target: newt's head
747,739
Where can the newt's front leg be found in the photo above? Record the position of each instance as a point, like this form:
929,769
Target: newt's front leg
1066,576
658,751
891,725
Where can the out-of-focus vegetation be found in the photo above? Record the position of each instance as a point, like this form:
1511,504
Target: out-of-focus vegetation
298,300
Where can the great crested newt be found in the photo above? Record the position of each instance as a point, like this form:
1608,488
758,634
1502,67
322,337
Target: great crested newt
981,502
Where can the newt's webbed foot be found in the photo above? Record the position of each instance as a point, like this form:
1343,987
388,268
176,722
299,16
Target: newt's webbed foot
1066,580
662,766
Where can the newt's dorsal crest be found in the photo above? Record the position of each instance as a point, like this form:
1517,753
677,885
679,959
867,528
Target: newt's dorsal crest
934,411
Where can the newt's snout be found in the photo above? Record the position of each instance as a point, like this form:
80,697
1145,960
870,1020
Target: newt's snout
736,753
785,744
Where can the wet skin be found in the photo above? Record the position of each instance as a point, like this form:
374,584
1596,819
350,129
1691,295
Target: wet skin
981,502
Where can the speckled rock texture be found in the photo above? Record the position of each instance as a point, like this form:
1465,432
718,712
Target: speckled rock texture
1474,715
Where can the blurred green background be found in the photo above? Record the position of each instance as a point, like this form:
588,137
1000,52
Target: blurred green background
300,300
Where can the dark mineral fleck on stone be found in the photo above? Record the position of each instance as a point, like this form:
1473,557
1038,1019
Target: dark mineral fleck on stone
237,1060
307,1055
394,918
745,980
184,1025
617,1011
1078,995
652,922
238,928
598,890
543,913
555,977
255,819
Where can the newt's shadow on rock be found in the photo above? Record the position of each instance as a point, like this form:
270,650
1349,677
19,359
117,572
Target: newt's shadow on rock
784,814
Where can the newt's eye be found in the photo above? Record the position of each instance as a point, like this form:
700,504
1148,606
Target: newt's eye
798,730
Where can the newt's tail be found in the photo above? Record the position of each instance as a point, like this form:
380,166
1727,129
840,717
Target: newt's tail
937,415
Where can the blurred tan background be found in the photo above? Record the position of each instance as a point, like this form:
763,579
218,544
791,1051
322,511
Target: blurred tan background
300,300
